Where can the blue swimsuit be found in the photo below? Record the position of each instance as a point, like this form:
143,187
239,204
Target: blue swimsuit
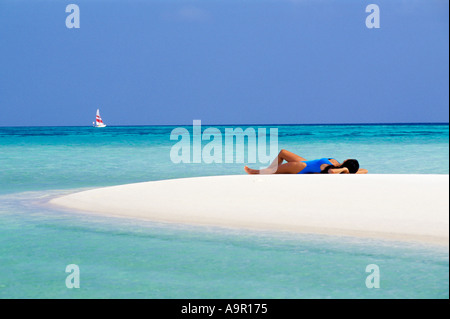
314,166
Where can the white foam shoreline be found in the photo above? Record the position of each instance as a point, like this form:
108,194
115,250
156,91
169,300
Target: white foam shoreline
398,207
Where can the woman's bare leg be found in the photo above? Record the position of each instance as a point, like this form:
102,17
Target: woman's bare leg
286,168
290,168
251,171
290,157
273,168
287,156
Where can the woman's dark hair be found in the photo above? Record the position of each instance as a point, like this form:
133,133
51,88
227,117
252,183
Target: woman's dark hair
351,164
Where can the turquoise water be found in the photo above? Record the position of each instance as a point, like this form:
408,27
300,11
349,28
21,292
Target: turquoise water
37,158
123,258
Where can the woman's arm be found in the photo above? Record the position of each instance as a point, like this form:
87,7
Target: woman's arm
343,170
346,171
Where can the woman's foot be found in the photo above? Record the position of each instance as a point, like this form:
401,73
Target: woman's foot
250,170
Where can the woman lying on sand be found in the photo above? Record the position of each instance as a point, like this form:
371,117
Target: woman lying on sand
299,165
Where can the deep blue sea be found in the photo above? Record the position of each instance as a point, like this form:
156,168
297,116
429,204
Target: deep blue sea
124,258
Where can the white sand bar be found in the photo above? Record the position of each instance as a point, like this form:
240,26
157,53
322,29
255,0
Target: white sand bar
399,207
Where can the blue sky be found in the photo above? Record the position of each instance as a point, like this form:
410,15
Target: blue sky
224,62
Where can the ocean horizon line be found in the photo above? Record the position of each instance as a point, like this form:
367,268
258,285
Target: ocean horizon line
247,124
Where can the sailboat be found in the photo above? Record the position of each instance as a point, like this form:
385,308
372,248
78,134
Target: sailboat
98,120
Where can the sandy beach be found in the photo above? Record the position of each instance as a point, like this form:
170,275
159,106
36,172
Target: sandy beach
398,207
